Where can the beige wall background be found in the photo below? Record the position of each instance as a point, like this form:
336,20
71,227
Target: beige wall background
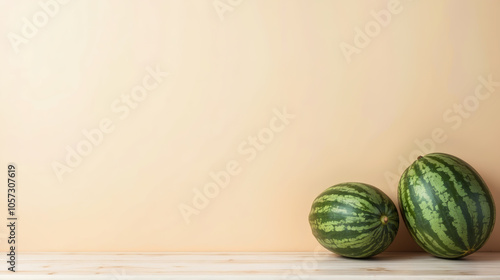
361,97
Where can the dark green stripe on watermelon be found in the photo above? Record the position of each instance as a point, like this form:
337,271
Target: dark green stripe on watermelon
446,206
348,219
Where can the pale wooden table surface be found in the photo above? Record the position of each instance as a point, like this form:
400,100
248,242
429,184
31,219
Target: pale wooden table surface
137,266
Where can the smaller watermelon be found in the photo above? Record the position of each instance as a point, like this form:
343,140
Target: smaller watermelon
354,220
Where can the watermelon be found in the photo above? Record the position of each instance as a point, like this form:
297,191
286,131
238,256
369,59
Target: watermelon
446,206
354,220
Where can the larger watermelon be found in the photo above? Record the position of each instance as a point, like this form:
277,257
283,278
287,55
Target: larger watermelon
446,205
354,220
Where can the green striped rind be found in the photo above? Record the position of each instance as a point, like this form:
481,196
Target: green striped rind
347,219
446,206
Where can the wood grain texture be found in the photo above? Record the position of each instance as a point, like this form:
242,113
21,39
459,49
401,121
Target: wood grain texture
142,266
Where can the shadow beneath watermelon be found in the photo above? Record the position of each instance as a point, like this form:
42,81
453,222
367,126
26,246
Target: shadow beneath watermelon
395,256
483,256
405,256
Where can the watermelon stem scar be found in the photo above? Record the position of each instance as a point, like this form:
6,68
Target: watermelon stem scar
384,219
